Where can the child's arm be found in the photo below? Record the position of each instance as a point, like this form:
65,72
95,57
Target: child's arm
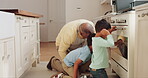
101,41
76,65
113,28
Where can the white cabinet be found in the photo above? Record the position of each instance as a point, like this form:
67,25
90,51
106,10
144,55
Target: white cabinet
19,42
7,50
141,62
7,58
27,42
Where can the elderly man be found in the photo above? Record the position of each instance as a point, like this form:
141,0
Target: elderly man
72,36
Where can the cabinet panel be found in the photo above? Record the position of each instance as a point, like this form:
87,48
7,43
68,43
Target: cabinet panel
142,51
25,40
10,69
7,59
18,56
32,21
1,59
24,21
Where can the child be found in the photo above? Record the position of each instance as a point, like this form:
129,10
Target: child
73,60
102,40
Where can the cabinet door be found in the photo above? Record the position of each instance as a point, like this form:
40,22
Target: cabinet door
1,59
7,59
25,46
10,59
18,52
142,45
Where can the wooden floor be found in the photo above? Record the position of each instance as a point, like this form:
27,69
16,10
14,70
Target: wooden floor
47,51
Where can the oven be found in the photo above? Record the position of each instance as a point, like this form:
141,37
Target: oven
122,53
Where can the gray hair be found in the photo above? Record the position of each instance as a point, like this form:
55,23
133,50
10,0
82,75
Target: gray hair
86,28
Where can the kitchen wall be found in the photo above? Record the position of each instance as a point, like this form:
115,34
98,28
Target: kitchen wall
87,9
81,9
74,9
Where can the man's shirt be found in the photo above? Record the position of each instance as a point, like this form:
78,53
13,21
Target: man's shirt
68,36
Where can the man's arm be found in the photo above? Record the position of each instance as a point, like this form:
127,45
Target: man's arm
66,41
76,65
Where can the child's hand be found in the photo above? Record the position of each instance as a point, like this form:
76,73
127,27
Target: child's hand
104,33
113,28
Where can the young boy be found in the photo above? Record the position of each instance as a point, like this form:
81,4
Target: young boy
73,60
102,40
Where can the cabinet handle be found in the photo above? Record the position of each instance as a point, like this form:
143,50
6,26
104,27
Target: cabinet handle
20,18
25,21
3,57
8,56
50,21
25,37
26,59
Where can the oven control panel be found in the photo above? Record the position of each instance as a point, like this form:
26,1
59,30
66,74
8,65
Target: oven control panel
119,20
121,23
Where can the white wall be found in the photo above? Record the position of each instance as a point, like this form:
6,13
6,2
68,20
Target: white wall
87,9
56,12
35,6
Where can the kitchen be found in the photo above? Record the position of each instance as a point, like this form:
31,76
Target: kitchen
49,20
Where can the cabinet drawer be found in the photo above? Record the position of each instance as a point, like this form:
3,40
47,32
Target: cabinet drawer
33,52
32,37
32,21
24,21
26,60
118,69
25,40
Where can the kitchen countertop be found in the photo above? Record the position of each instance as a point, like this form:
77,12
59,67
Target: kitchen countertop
22,12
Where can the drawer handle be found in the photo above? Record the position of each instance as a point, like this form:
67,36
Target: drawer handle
8,56
20,18
26,59
25,37
3,57
25,21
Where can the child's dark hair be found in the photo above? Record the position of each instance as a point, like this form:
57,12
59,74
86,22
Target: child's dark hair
89,39
102,24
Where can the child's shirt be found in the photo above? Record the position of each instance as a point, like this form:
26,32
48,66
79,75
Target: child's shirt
99,57
82,53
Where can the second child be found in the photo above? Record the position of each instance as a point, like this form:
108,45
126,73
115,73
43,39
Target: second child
102,40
